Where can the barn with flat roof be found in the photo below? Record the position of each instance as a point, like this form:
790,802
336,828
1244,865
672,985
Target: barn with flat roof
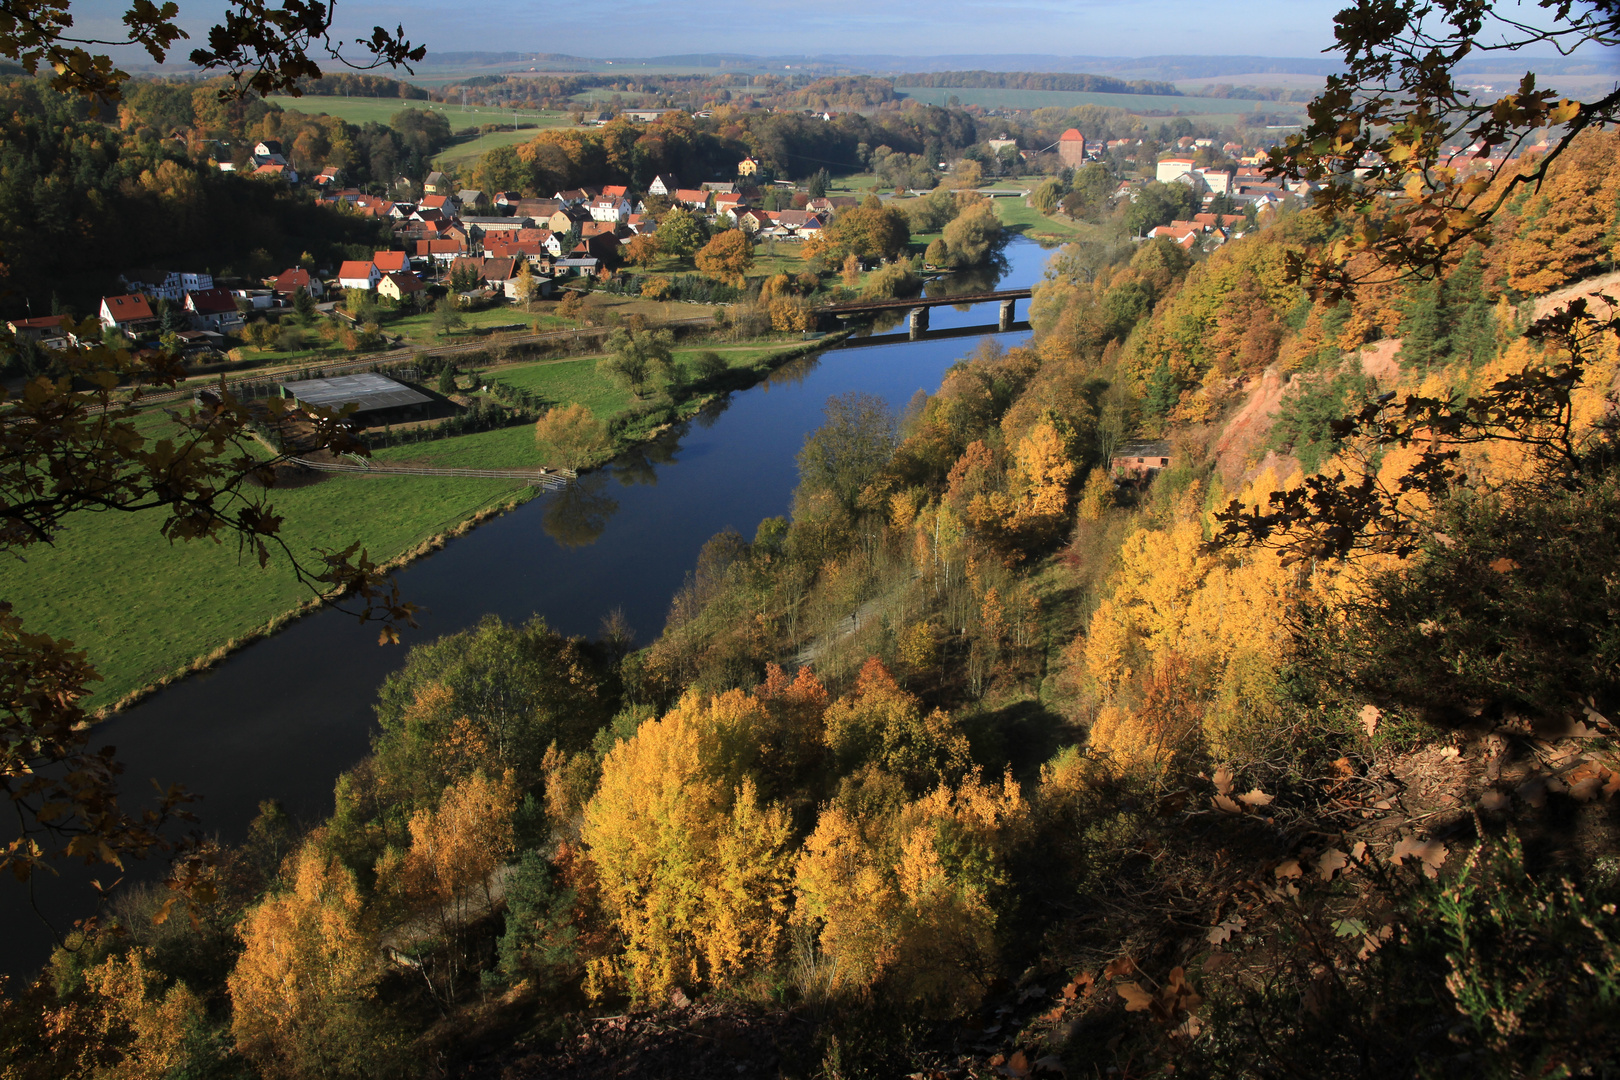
375,397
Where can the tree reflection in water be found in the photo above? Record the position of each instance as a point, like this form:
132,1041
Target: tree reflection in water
579,513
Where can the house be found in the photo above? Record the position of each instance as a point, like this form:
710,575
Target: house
608,208
1141,459
470,198
282,172
291,280
548,241
130,313
390,262
165,285
691,198
998,145
538,209
615,191
442,251
212,309
268,152
1173,169
593,228
748,167
664,184
436,184
1071,148
508,198
1182,237
399,285
720,187
502,274
328,177
603,247
44,328
358,275
566,220
752,220
572,197
800,224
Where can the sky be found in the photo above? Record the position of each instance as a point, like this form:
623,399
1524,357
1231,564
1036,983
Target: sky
615,28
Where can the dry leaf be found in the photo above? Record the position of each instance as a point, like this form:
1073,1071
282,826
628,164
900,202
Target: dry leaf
1371,942
1221,933
1051,1063
1017,1066
1449,752
1369,718
1080,987
1331,861
1223,780
1120,968
1054,1015
1289,868
1611,785
1586,790
1443,540
1358,851
678,998
1256,798
1503,565
1432,852
1225,805
1495,800
1136,998
1030,992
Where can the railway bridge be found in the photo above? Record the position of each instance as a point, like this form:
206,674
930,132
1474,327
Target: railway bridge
917,306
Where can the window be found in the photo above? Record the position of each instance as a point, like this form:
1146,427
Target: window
1164,461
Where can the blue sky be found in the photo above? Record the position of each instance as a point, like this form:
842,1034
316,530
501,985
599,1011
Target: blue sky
630,28
931,27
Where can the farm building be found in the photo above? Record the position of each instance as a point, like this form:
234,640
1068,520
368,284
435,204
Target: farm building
1141,459
375,397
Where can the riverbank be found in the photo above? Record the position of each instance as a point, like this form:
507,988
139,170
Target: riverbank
150,613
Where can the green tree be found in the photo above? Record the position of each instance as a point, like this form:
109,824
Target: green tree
1158,204
636,357
447,316
848,451
682,233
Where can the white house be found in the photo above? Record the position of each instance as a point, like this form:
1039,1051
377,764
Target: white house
1173,169
663,185
359,275
608,208
170,286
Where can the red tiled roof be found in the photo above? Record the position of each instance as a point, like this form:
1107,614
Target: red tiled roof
211,302
355,269
130,308
1072,135
289,280
389,262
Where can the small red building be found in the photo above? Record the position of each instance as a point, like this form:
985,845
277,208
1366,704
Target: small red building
1141,459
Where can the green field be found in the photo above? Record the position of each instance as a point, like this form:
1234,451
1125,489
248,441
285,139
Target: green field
381,110
994,98
143,607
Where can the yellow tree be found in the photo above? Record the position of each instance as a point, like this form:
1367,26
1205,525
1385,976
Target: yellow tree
1041,480
301,991
691,866
571,436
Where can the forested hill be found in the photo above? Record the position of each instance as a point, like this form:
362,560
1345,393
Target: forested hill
1026,80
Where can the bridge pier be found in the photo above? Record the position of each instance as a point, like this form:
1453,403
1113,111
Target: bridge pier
1007,307
917,322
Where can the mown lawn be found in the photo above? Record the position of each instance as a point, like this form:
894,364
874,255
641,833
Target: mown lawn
1017,216
143,607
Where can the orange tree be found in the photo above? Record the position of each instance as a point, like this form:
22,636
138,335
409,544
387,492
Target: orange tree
72,445
727,257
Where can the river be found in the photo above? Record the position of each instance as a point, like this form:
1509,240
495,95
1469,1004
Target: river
285,716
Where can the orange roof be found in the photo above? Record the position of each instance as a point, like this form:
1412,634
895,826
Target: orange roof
1072,135
355,269
389,262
